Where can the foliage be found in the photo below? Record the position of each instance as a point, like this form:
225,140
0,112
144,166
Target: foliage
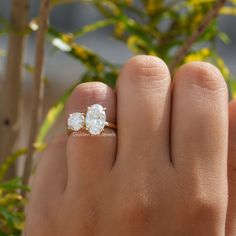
154,27
12,208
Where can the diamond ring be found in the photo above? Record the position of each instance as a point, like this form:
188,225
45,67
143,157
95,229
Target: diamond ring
94,121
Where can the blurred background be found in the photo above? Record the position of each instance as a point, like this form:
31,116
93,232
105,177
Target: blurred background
71,17
61,69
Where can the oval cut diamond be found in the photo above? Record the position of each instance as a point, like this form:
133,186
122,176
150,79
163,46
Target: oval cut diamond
95,119
75,121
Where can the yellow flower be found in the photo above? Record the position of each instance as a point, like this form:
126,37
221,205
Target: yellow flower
152,53
205,52
67,38
152,6
128,2
223,68
100,67
198,56
80,51
197,20
119,29
228,11
132,43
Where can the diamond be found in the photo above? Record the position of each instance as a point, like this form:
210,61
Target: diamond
95,119
75,121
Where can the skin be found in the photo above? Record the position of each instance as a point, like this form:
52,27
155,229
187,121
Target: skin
231,213
164,173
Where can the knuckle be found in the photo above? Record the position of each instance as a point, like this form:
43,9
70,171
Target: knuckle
90,218
203,75
203,203
89,90
136,210
146,70
89,93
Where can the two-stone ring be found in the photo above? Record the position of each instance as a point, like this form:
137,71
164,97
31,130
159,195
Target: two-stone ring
94,120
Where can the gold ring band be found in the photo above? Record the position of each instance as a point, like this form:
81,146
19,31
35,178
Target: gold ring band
109,125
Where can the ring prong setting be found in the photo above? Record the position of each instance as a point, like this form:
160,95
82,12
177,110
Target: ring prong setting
76,121
94,120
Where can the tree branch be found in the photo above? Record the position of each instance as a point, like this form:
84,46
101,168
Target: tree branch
38,89
12,97
211,15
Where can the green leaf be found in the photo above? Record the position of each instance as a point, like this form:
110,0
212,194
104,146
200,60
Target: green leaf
10,160
232,86
92,27
50,119
13,185
55,3
228,11
224,37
